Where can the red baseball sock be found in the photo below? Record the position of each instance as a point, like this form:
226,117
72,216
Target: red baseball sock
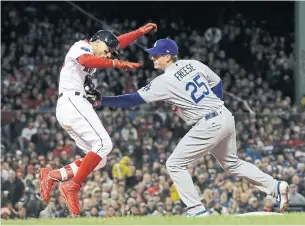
77,162
89,163
66,172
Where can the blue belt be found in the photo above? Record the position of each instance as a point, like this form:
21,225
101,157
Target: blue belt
211,115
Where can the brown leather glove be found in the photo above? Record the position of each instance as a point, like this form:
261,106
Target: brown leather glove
148,27
125,65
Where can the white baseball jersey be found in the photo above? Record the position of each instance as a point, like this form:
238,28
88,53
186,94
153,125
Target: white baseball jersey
72,74
74,112
186,86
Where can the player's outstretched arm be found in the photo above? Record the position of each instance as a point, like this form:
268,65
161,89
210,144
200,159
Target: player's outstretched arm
91,61
156,90
128,38
123,101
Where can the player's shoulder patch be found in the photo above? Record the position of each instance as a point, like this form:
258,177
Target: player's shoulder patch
147,87
85,49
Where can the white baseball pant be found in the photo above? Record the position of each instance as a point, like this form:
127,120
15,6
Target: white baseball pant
77,116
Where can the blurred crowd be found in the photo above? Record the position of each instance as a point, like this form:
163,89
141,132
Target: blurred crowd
255,65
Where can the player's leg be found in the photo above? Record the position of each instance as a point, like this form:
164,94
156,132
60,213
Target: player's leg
47,176
46,181
65,173
192,146
88,127
69,171
98,139
226,154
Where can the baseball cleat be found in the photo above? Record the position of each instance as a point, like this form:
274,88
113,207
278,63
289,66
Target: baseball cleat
46,183
282,195
69,191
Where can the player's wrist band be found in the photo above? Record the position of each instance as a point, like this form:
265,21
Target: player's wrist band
112,63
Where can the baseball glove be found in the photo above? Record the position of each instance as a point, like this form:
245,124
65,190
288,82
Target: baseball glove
93,96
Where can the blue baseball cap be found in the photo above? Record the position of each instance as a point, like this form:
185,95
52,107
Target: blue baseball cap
163,46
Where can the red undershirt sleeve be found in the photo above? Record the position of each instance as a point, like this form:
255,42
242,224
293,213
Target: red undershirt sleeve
90,61
128,38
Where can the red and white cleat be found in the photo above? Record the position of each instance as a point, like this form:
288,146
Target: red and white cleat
46,183
69,190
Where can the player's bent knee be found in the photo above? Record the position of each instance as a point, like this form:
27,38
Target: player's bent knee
101,164
170,166
103,148
109,146
174,165
231,166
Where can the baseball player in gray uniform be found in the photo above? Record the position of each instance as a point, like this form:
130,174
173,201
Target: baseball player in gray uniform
195,93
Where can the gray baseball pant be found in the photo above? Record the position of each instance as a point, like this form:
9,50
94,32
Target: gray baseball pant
216,136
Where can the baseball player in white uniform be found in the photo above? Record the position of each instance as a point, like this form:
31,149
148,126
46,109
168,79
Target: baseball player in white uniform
76,115
195,93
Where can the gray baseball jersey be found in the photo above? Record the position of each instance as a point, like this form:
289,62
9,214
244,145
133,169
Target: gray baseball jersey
186,86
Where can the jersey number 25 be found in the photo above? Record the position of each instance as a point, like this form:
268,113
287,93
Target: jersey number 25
196,84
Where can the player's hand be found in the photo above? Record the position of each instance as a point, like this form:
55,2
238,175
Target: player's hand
125,65
148,27
93,96
97,104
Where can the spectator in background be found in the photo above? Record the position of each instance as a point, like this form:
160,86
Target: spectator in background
151,205
19,124
49,211
234,207
300,184
143,209
31,200
177,210
123,169
59,148
4,171
218,209
174,193
61,208
268,205
22,211
27,134
295,197
14,186
253,205
160,210
129,133
243,203
8,212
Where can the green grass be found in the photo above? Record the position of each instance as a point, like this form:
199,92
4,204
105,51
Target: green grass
286,219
